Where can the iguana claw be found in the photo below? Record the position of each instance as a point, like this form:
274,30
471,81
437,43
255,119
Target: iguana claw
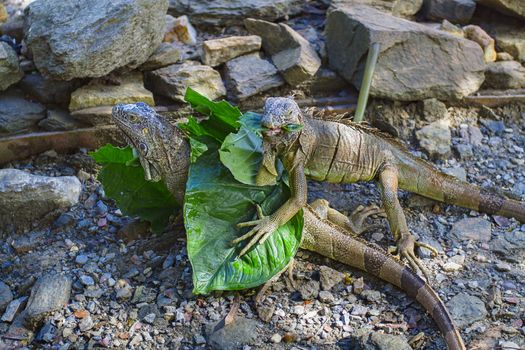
264,227
406,247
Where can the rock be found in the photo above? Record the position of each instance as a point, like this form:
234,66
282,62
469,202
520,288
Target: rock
379,341
514,8
49,294
6,296
504,75
478,35
503,267
3,14
435,139
406,8
329,277
464,151
326,297
233,12
25,198
266,312
47,333
512,42
457,172
48,91
184,30
477,229
433,109
59,119
81,259
14,28
10,71
12,309
466,309
309,290
241,332
292,54
325,82
452,29
86,324
130,90
172,81
218,51
71,39
453,70
94,116
451,267
503,56
249,75
165,55
276,338
455,11
18,114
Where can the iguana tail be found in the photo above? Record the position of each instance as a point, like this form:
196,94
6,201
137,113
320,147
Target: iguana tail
334,242
418,176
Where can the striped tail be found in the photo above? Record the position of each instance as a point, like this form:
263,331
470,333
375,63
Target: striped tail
422,178
336,243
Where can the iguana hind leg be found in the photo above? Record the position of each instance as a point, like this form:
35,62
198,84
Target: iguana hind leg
406,244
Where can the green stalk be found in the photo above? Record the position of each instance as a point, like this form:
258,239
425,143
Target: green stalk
370,66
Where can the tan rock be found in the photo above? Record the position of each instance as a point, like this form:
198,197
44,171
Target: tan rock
475,33
180,29
504,56
218,51
130,90
3,14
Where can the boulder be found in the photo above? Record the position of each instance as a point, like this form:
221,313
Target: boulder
292,54
50,293
48,90
25,198
128,88
172,81
435,139
18,114
233,12
504,75
218,51
455,11
249,75
10,71
165,55
514,8
415,62
90,38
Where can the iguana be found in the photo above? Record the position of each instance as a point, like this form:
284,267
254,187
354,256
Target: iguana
162,148
345,152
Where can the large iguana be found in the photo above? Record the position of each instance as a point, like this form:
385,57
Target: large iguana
164,150
345,153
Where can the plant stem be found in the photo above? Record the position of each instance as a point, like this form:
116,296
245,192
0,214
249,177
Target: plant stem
370,66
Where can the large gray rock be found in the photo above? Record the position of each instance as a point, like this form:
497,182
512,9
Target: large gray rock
25,198
50,293
292,54
10,71
466,309
455,11
249,75
172,81
233,12
504,75
415,62
90,38
514,8
18,114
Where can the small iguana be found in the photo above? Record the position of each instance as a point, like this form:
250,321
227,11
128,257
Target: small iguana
162,147
345,153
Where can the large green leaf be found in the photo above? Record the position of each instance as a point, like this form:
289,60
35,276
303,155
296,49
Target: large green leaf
222,117
215,202
124,182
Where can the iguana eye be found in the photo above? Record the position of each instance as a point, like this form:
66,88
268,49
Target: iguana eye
133,118
143,148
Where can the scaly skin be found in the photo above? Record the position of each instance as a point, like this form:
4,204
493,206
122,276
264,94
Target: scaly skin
346,153
326,231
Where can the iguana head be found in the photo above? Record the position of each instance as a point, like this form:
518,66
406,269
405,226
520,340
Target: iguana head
282,120
147,134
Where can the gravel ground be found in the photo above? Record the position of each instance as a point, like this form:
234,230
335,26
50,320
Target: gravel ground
131,289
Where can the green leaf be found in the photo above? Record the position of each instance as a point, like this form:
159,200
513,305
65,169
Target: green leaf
292,127
124,182
111,154
241,153
222,119
197,149
215,202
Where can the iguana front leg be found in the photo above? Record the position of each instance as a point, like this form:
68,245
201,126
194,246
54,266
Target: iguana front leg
406,244
267,225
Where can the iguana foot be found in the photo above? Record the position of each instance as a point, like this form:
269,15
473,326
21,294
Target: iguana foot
288,268
406,247
360,214
264,227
